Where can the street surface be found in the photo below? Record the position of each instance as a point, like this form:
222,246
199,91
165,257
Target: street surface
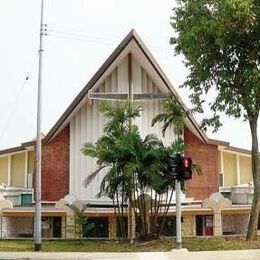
178,255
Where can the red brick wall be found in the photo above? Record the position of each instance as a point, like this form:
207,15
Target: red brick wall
206,155
55,167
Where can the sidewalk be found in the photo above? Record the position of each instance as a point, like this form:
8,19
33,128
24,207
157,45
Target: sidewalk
178,255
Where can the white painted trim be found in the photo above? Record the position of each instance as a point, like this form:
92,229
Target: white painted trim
26,170
9,170
238,169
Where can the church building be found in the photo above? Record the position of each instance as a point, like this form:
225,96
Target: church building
130,68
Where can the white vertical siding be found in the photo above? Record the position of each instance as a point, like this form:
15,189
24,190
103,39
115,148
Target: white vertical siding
145,123
137,88
83,138
78,143
122,76
72,174
87,125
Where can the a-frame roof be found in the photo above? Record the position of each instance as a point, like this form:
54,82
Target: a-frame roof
132,36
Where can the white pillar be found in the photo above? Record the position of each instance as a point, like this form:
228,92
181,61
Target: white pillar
222,169
238,169
26,170
9,170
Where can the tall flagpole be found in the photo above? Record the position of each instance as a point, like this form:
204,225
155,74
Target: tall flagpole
37,216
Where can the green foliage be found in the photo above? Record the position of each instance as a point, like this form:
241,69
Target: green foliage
80,219
220,42
118,116
173,115
131,165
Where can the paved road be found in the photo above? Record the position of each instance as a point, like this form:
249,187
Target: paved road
179,255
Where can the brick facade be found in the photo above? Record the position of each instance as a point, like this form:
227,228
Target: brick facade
206,155
55,167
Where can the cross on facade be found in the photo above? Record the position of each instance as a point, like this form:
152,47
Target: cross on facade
125,96
130,96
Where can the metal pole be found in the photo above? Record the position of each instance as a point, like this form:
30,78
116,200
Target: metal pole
178,214
37,217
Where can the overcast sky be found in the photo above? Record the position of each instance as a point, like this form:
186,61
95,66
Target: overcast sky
81,35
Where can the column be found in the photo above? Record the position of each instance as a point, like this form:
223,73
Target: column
217,223
112,226
238,169
9,170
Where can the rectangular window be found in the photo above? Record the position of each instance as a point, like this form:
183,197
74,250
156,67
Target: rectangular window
96,227
221,179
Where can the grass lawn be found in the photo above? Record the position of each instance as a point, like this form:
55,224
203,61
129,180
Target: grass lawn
192,244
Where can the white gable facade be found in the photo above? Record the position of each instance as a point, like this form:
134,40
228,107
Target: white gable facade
87,124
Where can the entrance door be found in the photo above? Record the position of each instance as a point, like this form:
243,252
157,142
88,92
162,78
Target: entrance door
56,226
199,225
208,227
204,225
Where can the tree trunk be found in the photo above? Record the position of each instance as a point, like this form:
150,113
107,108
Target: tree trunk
254,215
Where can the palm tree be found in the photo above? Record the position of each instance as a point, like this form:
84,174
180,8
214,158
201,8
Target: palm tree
132,166
115,152
80,219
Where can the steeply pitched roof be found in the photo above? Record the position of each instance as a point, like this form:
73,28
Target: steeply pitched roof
132,35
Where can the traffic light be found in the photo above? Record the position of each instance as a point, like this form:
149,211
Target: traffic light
183,168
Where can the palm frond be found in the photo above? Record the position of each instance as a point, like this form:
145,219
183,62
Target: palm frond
89,149
173,115
92,176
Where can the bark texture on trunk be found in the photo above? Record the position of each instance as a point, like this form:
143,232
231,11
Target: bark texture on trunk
254,215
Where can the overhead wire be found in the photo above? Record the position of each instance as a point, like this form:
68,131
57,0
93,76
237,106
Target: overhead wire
78,36
68,35
17,99
92,39
27,77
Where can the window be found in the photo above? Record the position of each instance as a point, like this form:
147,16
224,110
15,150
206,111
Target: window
221,179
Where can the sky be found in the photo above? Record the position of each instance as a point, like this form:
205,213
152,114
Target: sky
81,34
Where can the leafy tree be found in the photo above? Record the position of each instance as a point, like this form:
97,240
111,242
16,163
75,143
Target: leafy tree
220,40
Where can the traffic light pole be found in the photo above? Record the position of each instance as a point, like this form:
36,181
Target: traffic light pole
178,214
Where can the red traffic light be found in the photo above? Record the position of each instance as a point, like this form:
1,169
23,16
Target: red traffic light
184,168
186,162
